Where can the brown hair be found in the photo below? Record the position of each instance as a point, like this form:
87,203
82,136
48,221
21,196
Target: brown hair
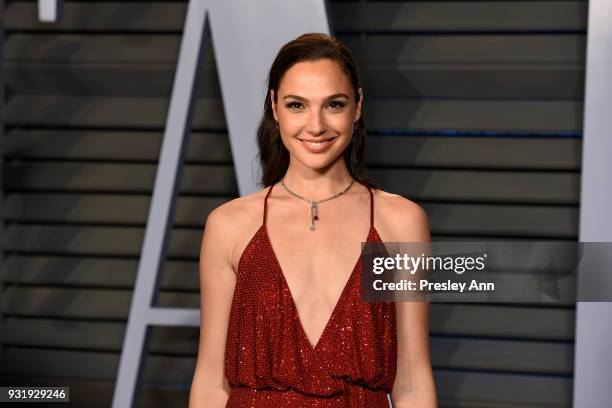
273,155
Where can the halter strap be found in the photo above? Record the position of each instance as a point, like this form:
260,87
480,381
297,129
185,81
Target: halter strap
266,204
265,211
371,207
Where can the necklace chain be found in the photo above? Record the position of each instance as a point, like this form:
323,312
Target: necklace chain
314,204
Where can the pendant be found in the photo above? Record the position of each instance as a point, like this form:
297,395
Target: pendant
314,211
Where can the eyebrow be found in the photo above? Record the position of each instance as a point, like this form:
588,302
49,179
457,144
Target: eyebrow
300,98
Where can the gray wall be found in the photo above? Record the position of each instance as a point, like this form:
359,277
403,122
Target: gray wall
474,110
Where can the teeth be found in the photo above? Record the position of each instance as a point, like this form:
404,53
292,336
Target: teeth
316,144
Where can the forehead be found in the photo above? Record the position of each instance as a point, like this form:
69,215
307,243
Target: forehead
322,77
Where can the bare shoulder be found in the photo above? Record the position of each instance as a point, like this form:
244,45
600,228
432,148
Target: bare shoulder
233,212
230,224
400,219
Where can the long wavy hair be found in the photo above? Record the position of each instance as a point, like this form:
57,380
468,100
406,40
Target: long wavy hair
273,155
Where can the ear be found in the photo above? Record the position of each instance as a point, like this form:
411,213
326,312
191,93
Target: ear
358,108
274,112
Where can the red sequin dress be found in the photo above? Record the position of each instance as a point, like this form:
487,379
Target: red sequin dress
269,361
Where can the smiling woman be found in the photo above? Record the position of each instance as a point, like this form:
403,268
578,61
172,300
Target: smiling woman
283,323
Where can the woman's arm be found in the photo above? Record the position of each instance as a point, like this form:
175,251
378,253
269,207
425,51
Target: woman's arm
209,388
414,382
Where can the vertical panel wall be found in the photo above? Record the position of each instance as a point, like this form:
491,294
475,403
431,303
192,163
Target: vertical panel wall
593,362
474,111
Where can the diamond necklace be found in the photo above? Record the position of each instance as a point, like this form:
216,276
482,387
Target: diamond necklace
314,204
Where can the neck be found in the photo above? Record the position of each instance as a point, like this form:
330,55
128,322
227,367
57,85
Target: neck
317,184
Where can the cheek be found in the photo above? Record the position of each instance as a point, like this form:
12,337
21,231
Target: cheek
341,121
291,128
290,120
344,126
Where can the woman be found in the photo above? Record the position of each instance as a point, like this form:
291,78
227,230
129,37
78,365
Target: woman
283,324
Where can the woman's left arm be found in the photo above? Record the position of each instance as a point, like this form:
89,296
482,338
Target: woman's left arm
414,383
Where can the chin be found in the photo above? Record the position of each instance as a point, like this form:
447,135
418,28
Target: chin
318,162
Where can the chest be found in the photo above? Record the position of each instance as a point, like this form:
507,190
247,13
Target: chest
316,264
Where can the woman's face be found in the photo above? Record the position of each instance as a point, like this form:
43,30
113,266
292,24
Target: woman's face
316,111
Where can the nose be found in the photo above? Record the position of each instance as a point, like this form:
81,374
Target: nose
316,123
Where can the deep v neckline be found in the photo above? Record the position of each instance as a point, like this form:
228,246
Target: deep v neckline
294,308
345,289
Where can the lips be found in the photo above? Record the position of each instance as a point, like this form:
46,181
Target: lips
317,146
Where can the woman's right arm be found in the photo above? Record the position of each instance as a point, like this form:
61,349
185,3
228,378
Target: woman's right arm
209,388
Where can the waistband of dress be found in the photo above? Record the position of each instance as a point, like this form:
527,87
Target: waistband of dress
354,395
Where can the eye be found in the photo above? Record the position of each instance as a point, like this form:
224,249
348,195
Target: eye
294,105
337,105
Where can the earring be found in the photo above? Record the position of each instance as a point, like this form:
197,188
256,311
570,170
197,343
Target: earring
277,124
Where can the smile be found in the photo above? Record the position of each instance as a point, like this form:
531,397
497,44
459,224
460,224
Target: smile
317,146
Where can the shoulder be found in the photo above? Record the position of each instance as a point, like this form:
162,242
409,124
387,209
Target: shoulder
227,226
235,213
402,219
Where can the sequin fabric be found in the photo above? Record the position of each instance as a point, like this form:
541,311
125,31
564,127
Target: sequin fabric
269,361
